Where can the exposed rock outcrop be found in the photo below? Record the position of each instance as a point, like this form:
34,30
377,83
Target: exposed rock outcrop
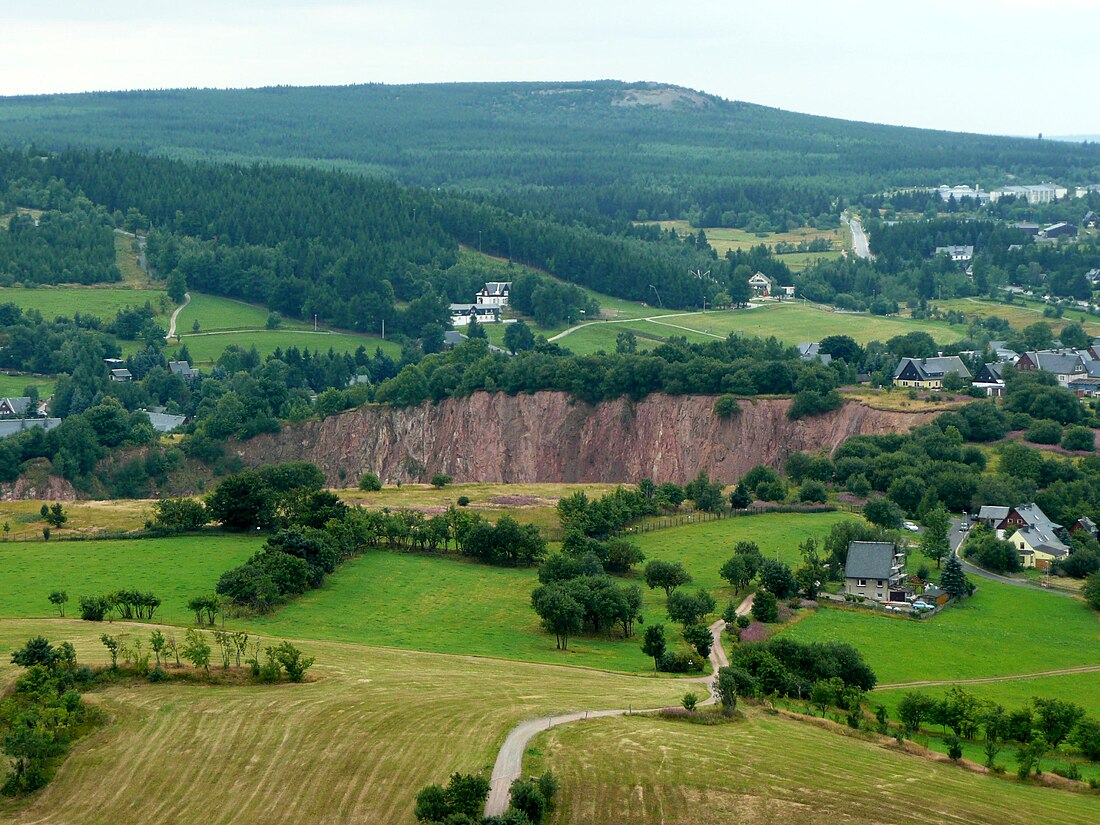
551,437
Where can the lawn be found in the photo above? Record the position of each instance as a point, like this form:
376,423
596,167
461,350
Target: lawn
102,302
448,605
1019,313
175,569
127,259
790,322
769,769
13,385
216,313
92,516
354,745
205,348
1001,630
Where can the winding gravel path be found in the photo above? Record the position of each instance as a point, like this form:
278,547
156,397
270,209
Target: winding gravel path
176,314
509,764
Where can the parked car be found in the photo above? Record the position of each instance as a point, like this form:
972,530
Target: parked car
912,528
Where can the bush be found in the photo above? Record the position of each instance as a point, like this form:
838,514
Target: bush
765,607
813,491
440,480
726,406
370,483
1044,432
1079,438
671,662
94,608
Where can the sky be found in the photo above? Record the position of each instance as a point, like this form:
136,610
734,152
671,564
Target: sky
1019,67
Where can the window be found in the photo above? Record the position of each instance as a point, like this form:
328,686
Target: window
861,582
880,582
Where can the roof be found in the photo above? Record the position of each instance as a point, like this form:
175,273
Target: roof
758,276
122,373
993,513
993,370
1058,361
452,338
870,560
182,369
11,426
497,288
18,406
1087,523
165,422
965,251
466,309
935,367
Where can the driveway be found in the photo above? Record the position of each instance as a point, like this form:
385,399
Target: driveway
957,538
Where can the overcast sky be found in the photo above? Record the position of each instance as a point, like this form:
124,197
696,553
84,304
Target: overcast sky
1000,66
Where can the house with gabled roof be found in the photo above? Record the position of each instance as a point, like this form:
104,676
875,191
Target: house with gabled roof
17,407
958,253
811,351
183,369
991,379
875,570
1027,528
928,373
494,293
762,286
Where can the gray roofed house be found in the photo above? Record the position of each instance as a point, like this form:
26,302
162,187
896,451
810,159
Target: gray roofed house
959,254
874,569
993,515
182,369
16,407
121,375
451,338
928,372
811,351
165,422
11,426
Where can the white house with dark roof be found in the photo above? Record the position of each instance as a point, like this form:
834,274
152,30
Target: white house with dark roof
484,313
958,254
991,379
762,286
494,293
928,373
875,570
18,407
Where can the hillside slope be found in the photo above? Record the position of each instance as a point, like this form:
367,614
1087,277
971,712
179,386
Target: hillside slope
549,437
618,138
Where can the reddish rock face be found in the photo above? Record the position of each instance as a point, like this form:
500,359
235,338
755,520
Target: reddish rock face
48,488
551,437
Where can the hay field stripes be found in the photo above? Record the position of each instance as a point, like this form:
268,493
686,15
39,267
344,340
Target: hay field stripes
772,769
354,745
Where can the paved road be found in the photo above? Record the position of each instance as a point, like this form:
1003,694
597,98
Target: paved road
860,245
982,573
176,314
509,764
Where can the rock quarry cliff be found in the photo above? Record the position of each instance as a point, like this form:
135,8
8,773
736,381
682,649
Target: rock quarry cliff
552,437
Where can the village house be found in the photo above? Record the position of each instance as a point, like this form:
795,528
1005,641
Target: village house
182,369
122,374
1060,230
958,254
1091,221
19,407
1065,364
811,351
1085,525
494,294
928,373
11,426
874,570
762,286
1028,529
991,379
164,422
483,313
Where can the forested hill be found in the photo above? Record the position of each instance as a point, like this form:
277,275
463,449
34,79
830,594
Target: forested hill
620,150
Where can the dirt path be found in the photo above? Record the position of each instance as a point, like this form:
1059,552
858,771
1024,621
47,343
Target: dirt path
653,319
176,314
509,765
1069,671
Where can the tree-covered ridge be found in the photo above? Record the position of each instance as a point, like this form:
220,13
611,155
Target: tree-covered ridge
571,146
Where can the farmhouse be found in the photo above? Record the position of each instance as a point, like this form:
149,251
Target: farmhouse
1066,364
1060,230
183,369
762,286
874,569
1035,537
928,373
494,294
15,407
959,254
121,375
483,313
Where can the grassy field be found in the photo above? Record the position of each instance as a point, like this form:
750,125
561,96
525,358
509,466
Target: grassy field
103,302
1019,314
91,516
13,385
1001,630
724,239
128,264
205,348
385,598
790,322
354,745
174,568
769,769
215,313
